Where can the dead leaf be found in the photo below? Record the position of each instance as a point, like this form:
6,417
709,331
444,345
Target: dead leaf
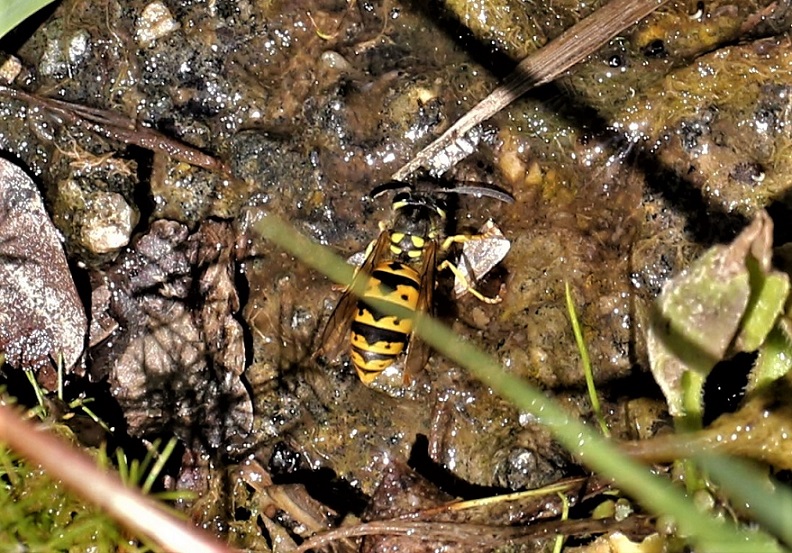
480,256
175,359
41,314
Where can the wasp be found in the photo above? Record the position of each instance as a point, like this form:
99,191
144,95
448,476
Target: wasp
400,266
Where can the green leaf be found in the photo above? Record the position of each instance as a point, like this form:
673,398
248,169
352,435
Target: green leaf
774,361
769,292
727,301
14,12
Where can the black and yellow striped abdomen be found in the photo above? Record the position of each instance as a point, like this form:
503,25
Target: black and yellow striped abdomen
378,339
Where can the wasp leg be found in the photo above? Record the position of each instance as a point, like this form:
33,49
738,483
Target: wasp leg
456,239
466,283
461,239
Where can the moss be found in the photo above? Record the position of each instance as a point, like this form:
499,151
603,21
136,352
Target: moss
39,514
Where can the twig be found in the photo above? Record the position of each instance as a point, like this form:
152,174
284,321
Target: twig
541,67
118,127
476,535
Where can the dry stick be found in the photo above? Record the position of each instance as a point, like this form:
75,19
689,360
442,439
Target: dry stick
477,535
119,127
539,68
141,514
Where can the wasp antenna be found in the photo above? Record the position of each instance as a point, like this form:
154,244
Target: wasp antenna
481,191
380,189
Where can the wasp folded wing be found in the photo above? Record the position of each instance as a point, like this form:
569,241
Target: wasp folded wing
335,337
418,351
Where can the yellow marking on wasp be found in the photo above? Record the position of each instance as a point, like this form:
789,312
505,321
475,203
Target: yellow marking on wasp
382,346
414,254
396,250
417,241
397,237
405,296
372,365
388,323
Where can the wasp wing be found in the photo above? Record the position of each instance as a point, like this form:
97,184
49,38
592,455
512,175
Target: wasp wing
418,351
335,336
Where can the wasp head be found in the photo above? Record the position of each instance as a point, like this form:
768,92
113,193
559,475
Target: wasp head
418,214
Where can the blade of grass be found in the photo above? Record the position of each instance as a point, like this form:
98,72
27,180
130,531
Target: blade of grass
656,494
142,466
162,458
497,499
124,470
60,376
771,503
85,409
37,389
14,12
560,538
586,360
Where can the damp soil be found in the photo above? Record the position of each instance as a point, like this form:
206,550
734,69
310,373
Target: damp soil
665,141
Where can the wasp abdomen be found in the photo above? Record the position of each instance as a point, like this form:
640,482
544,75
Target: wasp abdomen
378,339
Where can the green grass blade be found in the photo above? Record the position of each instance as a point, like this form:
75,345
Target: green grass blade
162,458
560,538
14,12
767,499
124,471
586,360
39,392
142,466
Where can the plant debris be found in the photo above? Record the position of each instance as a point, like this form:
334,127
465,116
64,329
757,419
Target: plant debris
175,352
42,321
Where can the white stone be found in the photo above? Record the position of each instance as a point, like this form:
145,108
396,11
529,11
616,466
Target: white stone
155,22
107,222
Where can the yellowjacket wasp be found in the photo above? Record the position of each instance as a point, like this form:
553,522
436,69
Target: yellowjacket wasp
401,263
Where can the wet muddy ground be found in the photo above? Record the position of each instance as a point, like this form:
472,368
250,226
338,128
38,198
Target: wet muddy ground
667,140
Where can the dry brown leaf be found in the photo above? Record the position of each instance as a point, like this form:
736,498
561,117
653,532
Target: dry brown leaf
41,314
